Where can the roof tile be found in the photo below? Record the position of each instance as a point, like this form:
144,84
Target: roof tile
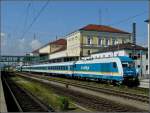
102,28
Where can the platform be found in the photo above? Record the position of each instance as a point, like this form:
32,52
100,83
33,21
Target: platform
3,107
144,83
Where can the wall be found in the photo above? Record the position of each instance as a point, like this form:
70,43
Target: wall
45,49
54,47
73,44
77,42
95,35
58,55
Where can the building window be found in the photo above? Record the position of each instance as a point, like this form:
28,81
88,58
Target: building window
139,55
107,42
100,41
89,40
113,42
146,67
89,52
116,42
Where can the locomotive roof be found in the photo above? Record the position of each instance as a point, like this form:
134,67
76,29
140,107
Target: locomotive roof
125,58
103,60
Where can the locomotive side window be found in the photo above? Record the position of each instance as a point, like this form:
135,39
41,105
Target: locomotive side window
114,65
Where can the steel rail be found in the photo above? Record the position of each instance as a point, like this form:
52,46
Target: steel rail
102,90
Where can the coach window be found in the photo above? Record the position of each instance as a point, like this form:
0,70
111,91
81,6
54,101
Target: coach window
130,55
114,65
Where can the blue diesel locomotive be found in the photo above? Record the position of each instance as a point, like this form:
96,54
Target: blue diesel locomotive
116,69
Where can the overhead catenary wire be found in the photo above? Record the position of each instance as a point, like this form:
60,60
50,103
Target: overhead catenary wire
27,14
127,19
35,18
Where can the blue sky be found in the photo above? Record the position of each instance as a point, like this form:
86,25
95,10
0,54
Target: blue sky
62,17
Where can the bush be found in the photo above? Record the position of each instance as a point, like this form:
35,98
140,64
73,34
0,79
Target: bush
64,103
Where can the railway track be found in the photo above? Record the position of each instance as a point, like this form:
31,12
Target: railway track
98,104
25,101
89,101
109,91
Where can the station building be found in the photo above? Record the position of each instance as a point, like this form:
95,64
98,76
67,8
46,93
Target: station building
45,53
138,53
55,51
82,42
91,38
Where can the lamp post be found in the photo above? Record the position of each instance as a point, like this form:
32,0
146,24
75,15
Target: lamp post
148,21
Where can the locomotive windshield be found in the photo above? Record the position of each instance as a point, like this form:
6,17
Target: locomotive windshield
127,64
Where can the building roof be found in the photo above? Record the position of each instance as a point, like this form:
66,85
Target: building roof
126,46
56,42
102,28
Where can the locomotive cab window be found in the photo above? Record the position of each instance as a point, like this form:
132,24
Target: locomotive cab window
124,65
114,65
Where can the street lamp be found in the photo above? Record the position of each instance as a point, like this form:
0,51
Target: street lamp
148,21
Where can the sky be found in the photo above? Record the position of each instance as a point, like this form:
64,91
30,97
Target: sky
24,29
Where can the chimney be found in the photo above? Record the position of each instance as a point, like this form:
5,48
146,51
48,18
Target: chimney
133,39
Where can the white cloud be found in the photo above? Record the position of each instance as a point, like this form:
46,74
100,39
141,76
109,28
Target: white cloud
14,46
2,34
35,44
3,38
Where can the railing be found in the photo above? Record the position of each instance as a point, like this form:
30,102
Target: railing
32,59
23,58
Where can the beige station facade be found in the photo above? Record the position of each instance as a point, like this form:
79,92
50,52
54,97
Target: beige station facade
83,42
